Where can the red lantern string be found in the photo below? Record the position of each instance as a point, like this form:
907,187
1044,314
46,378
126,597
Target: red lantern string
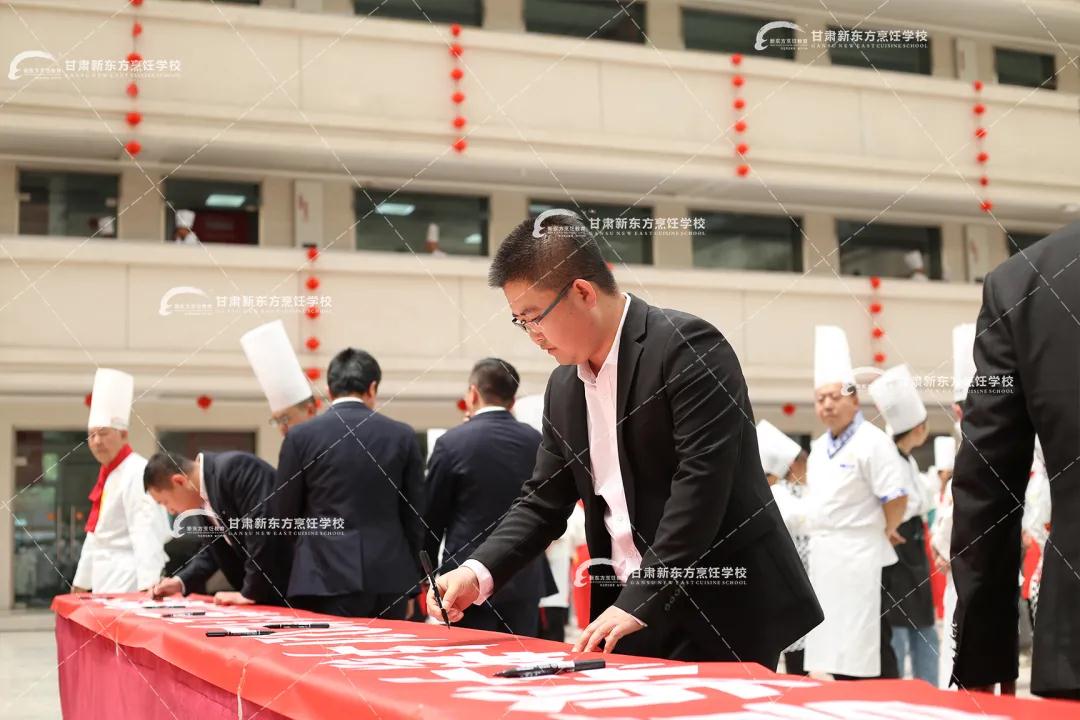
789,409
742,169
458,97
312,284
204,401
134,59
981,156
876,307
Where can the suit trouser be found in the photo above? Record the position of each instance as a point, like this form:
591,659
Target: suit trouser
520,617
385,606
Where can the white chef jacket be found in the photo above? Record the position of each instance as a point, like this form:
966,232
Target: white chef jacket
126,551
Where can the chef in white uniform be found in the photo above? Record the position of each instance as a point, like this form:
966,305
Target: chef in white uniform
126,530
940,536
910,609
784,463
287,389
856,500
185,228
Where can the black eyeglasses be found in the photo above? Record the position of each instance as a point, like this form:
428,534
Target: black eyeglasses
534,324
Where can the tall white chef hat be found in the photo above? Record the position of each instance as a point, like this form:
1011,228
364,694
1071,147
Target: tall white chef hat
963,354
777,450
897,398
276,368
530,410
914,260
110,403
185,219
944,452
832,357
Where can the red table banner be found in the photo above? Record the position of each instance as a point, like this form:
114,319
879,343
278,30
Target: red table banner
119,656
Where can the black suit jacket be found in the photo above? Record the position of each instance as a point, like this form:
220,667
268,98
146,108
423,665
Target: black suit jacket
365,468
474,475
237,485
695,491
1028,331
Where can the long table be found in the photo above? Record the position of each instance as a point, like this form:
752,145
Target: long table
120,658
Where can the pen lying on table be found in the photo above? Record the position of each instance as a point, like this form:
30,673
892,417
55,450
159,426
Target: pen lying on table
551,668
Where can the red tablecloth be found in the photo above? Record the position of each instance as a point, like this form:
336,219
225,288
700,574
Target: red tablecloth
119,659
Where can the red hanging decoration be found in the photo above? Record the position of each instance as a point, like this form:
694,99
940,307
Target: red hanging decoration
982,157
875,282
134,118
137,3
740,126
136,29
458,97
132,90
736,59
879,358
312,343
738,81
204,401
87,399
312,253
133,147
461,405
312,311
878,333
742,169
742,148
134,58
875,308
789,409
313,373
312,283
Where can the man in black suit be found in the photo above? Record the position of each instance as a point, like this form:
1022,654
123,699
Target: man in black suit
475,473
364,472
647,421
1027,382
231,487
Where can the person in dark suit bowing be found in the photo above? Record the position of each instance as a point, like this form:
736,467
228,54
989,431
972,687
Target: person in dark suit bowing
647,421
230,487
1027,383
475,473
362,471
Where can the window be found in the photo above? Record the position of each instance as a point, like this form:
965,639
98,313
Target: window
190,443
54,472
462,12
421,223
1017,241
910,56
1029,69
886,250
225,212
622,20
740,241
727,33
66,203
620,231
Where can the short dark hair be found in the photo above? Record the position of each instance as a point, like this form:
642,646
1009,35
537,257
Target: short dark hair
565,252
351,372
162,466
496,380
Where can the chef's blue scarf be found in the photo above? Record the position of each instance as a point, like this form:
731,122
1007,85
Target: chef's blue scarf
835,444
